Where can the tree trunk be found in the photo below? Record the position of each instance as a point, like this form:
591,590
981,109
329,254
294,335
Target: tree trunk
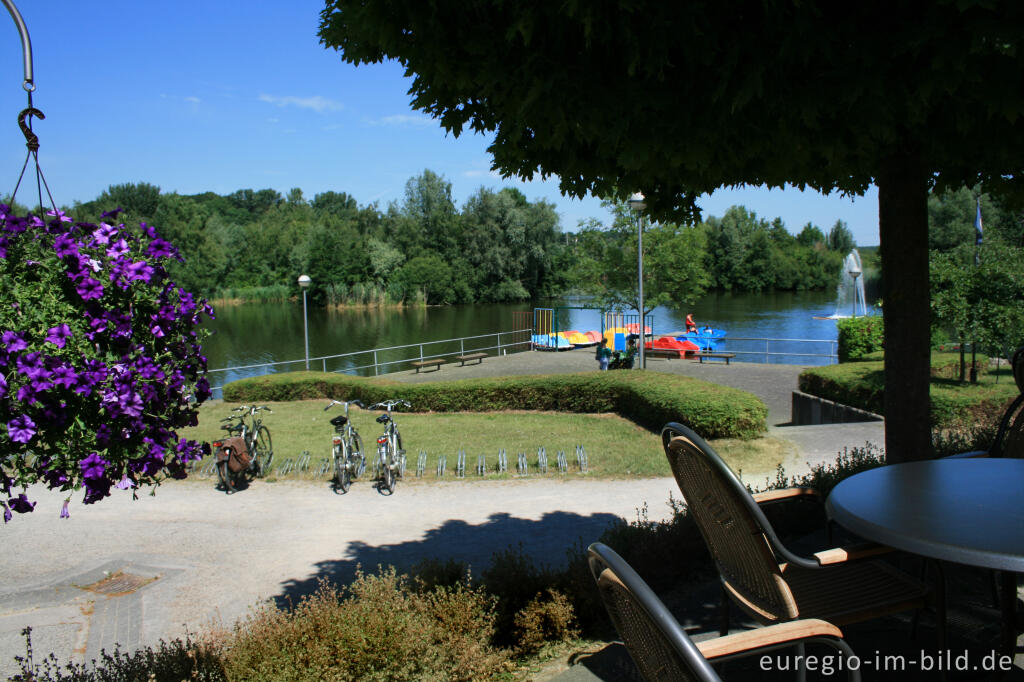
903,227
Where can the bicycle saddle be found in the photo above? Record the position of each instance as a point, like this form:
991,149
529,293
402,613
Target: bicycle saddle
339,420
383,419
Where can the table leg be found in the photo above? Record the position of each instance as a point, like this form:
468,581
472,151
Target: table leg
1008,607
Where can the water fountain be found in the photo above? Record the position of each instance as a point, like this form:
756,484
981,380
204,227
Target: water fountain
850,292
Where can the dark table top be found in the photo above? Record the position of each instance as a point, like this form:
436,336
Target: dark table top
969,511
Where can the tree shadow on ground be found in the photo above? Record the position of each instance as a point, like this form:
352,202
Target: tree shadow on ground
546,540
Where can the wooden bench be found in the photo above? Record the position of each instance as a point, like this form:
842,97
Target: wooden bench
724,356
469,357
434,362
666,353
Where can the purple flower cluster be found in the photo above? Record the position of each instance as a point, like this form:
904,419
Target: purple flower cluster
100,361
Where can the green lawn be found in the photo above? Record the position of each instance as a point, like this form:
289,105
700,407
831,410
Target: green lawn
615,446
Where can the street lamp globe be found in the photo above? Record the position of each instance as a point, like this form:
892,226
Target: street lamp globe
304,281
636,202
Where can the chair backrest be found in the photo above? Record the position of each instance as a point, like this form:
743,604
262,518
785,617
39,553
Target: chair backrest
656,642
736,531
1017,362
1009,441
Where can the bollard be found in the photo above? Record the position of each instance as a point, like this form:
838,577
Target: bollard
521,466
563,466
421,463
442,462
502,461
542,460
460,465
481,465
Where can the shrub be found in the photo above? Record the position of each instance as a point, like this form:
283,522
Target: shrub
859,336
649,399
378,628
171,662
548,617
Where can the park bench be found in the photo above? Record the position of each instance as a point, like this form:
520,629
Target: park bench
433,362
469,357
724,356
667,353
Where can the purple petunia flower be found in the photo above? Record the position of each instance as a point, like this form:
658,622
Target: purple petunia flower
125,483
3,386
65,245
59,215
89,289
95,490
64,513
59,335
21,504
140,271
13,341
64,375
55,478
117,249
7,512
93,467
159,248
21,429
3,247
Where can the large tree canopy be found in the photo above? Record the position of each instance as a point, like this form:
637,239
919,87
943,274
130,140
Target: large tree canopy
679,99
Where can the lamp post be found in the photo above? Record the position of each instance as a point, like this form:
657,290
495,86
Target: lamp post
854,273
637,205
304,281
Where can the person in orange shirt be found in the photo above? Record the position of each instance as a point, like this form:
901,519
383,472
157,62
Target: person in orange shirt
691,326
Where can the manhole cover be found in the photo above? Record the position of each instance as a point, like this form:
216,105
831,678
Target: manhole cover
118,584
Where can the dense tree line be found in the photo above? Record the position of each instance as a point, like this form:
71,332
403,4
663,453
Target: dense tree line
498,247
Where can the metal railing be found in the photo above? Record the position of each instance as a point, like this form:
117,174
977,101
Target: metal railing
744,348
383,360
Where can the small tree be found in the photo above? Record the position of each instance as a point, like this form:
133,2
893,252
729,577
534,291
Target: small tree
101,359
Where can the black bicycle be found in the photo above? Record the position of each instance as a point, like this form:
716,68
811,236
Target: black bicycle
254,454
346,448
390,453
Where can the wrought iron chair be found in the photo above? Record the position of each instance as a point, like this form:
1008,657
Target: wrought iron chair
1009,440
770,583
661,648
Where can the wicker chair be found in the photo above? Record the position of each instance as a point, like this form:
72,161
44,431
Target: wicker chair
661,648
1009,440
764,578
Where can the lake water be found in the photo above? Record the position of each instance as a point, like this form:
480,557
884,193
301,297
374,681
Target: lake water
254,334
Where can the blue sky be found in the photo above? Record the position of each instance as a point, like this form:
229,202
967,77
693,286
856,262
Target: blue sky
224,95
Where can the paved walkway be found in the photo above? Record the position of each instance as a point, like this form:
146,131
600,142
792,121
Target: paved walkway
132,572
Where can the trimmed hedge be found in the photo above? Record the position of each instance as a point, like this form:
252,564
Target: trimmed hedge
954,405
649,399
859,336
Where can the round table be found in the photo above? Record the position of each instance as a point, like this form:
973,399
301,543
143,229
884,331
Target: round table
968,511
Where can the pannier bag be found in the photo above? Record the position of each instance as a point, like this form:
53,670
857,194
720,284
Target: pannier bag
238,459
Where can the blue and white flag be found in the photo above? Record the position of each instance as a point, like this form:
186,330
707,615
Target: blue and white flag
977,225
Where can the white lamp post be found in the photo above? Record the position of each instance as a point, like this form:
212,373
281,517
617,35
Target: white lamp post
304,281
637,204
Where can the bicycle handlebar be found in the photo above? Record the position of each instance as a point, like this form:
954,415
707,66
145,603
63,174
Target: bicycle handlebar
345,403
390,404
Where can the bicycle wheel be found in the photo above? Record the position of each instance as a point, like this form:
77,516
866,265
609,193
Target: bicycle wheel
399,455
263,452
342,469
387,471
226,476
357,455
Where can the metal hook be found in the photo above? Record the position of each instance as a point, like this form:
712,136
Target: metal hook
26,44
31,139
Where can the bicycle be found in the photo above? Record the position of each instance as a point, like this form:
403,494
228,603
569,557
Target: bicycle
390,453
259,450
346,448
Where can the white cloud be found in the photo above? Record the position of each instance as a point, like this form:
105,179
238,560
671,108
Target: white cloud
316,103
193,100
403,121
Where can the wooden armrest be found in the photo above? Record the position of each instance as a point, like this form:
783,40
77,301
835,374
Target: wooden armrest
838,555
968,455
770,635
783,494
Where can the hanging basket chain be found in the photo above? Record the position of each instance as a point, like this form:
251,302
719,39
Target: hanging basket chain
25,117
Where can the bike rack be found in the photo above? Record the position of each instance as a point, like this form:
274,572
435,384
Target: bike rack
421,463
323,468
563,466
481,465
442,462
303,463
542,460
522,467
287,466
581,458
460,466
502,461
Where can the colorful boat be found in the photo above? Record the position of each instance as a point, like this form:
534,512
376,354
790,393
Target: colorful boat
707,338
684,348
579,339
550,342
